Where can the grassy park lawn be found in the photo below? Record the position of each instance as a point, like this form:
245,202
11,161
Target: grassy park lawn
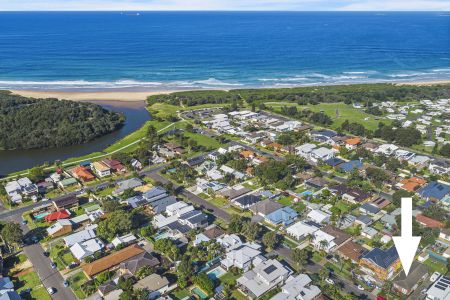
75,283
346,112
203,140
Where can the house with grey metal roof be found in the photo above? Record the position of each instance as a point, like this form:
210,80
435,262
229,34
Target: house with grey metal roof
299,287
264,277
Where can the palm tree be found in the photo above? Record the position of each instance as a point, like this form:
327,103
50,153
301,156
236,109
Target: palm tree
323,244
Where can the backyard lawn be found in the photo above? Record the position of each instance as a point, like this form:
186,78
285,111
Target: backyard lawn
238,295
436,265
61,255
180,294
31,281
343,207
75,283
286,200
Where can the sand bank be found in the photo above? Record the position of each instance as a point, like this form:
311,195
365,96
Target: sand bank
90,96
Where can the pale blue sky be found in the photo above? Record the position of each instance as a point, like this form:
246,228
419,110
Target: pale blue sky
346,5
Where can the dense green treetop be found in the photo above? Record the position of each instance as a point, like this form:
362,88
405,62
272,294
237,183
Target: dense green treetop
310,95
28,123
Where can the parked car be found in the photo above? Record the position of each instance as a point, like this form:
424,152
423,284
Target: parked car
360,287
65,283
51,290
46,253
24,222
53,265
329,281
73,265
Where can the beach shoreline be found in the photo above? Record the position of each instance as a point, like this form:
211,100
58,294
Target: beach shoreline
139,95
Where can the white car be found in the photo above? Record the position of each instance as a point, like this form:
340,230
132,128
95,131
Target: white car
329,281
360,287
51,290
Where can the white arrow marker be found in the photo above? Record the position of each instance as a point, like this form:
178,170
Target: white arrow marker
406,244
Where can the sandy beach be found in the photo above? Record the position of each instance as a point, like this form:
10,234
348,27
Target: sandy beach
119,95
140,95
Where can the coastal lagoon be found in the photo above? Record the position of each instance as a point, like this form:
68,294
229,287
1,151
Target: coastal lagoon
16,160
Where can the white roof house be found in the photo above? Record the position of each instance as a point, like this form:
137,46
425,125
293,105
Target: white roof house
386,149
299,287
419,160
59,224
86,248
304,150
440,289
321,153
301,230
230,241
243,257
179,208
124,239
214,174
81,236
319,216
264,277
323,241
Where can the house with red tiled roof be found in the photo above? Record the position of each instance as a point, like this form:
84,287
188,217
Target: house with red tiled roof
83,174
411,184
114,165
112,261
429,222
352,143
62,214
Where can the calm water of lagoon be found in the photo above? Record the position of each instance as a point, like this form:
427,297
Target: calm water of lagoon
16,160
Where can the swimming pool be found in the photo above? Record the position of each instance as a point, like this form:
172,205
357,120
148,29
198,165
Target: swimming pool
216,273
41,215
306,193
199,293
161,236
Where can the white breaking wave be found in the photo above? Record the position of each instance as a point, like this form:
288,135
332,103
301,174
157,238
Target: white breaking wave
215,82
77,84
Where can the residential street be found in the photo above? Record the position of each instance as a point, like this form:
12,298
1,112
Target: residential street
216,211
314,268
41,264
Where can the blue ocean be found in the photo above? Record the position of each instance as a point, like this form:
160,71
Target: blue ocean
159,50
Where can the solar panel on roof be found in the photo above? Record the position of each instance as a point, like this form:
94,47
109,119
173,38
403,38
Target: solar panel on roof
441,287
270,269
445,279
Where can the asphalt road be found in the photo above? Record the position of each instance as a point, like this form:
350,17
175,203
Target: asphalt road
216,211
41,264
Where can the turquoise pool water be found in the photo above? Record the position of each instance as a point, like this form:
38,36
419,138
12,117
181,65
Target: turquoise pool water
216,273
199,293
306,193
41,216
161,236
